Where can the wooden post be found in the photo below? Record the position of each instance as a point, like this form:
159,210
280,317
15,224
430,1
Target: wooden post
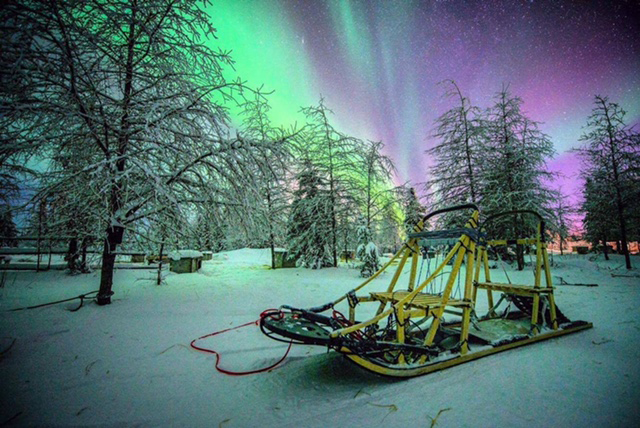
468,293
159,280
428,341
552,300
38,251
400,330
414,268
49,261
396,275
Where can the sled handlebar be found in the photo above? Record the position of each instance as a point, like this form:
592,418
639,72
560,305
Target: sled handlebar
449,209
515,212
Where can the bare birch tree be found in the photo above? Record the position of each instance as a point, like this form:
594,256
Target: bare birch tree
134,89
514,173
456,175
611,156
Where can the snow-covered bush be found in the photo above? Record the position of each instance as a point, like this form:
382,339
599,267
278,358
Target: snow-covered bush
367,252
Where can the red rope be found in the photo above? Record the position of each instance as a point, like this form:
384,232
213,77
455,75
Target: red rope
268,312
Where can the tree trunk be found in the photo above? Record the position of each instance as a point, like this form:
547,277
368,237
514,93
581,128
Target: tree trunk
520,256
114,237
115,233
273,252
334,226
72,255
83,258
159,280
605,249
271,235
519,247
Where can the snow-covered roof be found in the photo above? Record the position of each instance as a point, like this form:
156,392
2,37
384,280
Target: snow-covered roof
184,254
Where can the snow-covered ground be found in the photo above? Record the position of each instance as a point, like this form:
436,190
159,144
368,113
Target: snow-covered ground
130,364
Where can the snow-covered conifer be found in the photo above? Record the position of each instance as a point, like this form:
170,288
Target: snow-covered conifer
8,228
561,219
336,157
367,252
309,236
598,202
414,211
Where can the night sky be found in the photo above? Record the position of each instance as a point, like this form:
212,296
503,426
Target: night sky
378,64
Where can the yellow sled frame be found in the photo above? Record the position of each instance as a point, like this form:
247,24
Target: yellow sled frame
414,303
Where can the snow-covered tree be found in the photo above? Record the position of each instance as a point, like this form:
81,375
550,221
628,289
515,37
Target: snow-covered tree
414,211
561,215
514,174
137,92
367,252
376,170
456,172
611,157
336,157
8,228
309,236
274,153
597,205
389,227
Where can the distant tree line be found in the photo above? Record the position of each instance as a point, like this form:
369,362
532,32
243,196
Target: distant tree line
496,158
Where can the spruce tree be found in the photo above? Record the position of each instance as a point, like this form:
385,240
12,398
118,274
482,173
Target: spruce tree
561,220
309,233
597,206
8,228
336,156
367,251
413,210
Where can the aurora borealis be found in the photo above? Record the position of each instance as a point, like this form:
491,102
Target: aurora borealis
378,63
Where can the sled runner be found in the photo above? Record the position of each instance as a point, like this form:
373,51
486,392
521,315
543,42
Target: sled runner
402,331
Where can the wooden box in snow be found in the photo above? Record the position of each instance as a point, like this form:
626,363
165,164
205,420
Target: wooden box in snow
207,255
137,257
346,255
185,261
580,249
284,260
